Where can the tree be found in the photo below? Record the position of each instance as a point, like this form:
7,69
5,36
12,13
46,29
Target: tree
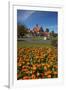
41,29
21,30
47,30
37,25
52,33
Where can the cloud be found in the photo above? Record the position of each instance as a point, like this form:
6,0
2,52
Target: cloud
23,15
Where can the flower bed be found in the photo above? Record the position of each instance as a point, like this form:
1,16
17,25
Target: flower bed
37,63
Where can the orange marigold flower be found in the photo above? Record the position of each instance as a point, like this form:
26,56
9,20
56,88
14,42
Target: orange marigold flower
49,76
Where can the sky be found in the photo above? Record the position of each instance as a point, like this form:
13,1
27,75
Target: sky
45,19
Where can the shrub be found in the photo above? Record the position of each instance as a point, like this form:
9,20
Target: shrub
54,43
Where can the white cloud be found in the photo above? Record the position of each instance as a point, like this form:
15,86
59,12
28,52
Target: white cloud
25,15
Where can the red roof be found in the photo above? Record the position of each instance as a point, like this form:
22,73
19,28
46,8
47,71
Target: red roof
46,34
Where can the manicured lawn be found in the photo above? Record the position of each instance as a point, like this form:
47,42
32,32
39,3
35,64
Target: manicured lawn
38,38
21,44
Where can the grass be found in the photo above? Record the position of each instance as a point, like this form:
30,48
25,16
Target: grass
23,44
38,38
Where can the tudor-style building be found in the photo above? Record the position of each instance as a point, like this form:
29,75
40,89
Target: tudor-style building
37,31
